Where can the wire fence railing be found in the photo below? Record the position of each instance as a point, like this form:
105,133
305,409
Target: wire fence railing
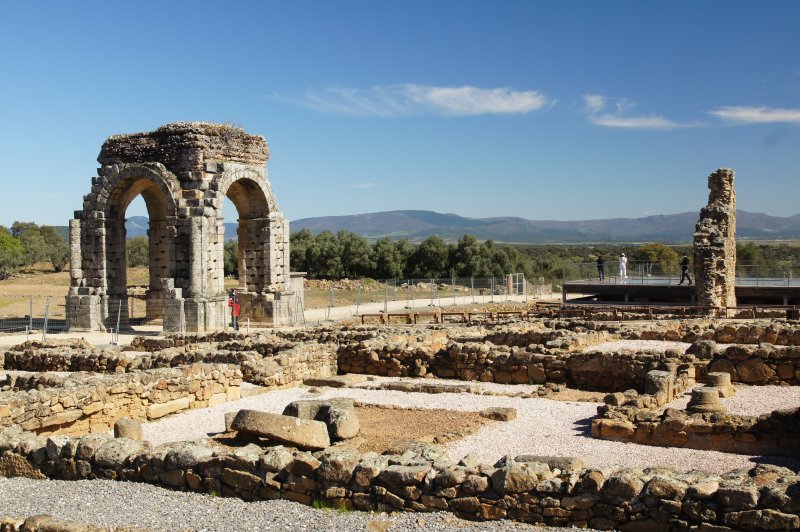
37,316
670,273
420,292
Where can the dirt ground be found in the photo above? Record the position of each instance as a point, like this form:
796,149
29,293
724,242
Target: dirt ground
383,427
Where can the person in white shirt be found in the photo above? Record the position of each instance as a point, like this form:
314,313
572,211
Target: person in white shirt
623,266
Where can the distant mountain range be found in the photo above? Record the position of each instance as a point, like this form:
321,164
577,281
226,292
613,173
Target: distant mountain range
418,225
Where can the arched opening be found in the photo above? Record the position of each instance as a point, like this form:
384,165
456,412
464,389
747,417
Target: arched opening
246,203
138,299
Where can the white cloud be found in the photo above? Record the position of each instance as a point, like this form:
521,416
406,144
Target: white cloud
596,103
365,184
757,115
412,99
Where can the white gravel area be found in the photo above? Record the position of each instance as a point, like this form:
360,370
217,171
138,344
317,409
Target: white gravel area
753,400
111,503
542,426
485,387
633,346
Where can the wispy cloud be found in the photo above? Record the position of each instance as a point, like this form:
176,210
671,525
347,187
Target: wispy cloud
757,115
365,184
411,99
596,104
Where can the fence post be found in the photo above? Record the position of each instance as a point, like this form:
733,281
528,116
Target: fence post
358,298
46,316
385,298
491,284
453,285
30,312
433,287
408,294
472,289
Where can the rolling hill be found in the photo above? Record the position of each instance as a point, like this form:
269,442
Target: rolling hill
418,225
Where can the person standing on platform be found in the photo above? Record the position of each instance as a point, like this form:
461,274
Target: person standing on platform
601,267
623,267
685,270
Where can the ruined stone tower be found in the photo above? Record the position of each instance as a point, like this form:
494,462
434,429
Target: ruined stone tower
183,171
715,243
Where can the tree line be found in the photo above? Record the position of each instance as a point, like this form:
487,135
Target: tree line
329,255
25,244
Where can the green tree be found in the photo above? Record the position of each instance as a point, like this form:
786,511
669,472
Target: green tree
231,259
661,259
355,255
12,254
325,257
430,260
138,251
300,243
388,259
469,258
57,247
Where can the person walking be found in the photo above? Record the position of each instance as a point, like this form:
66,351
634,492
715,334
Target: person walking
685,270
623,267
233,302
601,267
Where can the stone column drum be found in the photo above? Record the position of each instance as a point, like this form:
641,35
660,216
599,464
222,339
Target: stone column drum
183,171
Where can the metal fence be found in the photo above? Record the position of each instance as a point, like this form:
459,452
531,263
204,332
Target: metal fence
661,273
394,294
38,316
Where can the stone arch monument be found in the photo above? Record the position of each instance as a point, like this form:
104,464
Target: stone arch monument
183,171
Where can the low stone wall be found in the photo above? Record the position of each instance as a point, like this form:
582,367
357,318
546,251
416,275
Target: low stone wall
759,365
421,478
774,434
770,332
487,362
85,403
261,362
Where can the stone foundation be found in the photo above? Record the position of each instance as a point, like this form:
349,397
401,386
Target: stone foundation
556,491
86,403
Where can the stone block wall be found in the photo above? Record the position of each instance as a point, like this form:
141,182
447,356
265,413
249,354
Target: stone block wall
774,434
554,491
265,360
86,403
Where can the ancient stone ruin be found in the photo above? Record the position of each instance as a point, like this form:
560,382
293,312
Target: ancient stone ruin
183,171
715,243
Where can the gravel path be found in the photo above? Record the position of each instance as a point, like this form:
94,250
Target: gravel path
490,387
110,503
753,400
634,346
542,426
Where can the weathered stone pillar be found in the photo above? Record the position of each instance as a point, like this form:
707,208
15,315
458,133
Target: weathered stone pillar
715,243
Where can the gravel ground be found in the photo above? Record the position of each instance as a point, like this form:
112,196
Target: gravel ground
633,346
110,503
490,387
542,426
753,400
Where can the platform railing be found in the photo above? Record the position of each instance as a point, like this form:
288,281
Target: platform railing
780,273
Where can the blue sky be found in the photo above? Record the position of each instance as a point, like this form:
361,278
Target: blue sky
545,110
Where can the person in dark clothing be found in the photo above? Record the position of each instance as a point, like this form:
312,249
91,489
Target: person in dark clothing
601,267
685,270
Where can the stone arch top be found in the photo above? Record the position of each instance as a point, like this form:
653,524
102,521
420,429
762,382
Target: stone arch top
248,188
186,147
118,184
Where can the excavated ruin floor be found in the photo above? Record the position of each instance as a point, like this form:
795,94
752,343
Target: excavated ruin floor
542,427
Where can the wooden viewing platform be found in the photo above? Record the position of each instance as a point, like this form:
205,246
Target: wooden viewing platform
749,291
